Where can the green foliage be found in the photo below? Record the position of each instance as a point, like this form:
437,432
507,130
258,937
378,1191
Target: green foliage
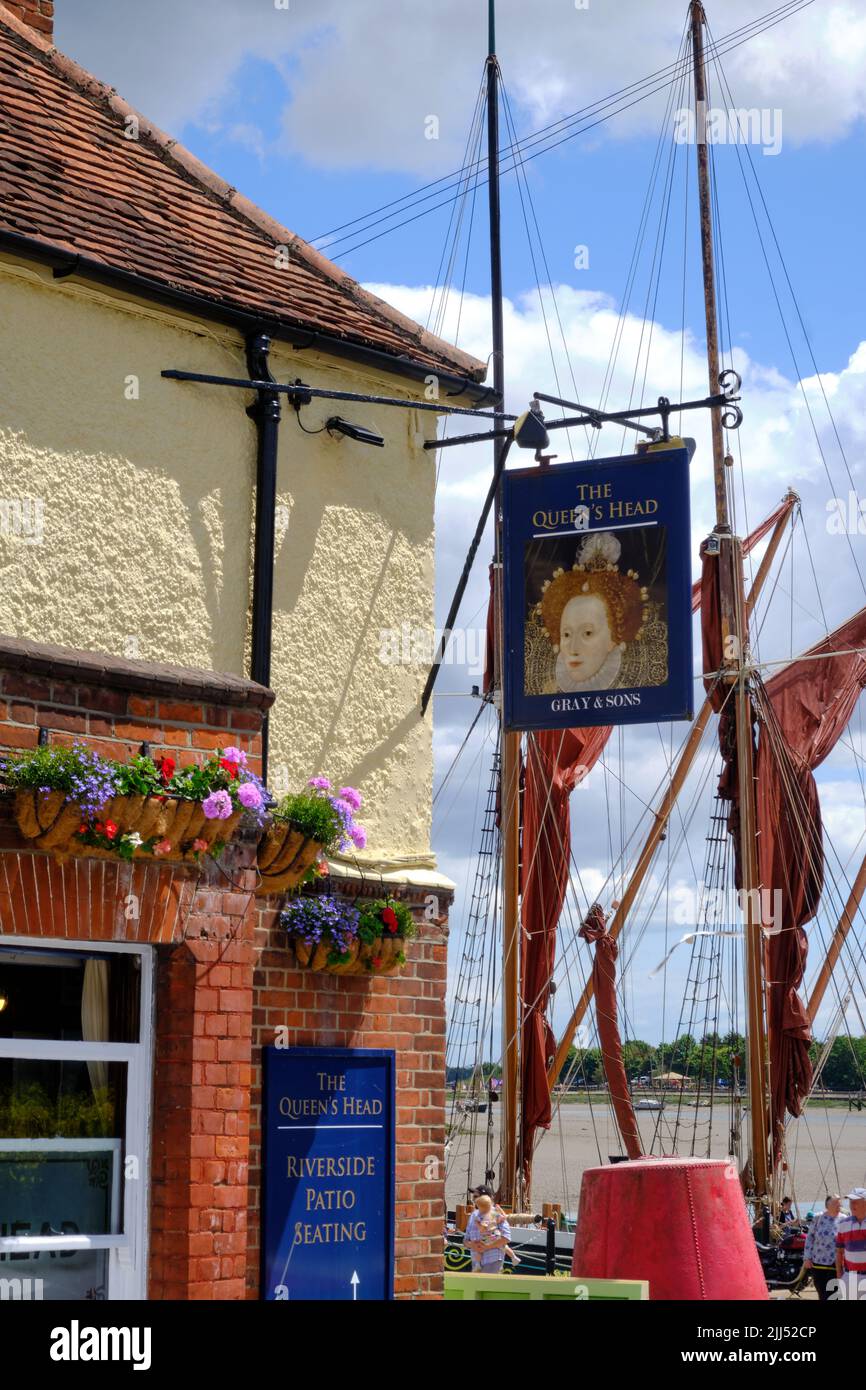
140,777
312,816
372,925
29,1112
49,766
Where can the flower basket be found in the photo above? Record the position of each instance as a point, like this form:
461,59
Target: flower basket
284,856
53,822
339,938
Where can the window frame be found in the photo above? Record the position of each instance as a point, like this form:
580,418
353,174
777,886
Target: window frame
128,1247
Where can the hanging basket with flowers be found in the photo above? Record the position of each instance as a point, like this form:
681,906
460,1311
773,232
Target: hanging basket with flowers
340,939
72,801
303,828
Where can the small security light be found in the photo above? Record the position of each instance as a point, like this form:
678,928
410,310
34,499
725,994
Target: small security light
336,425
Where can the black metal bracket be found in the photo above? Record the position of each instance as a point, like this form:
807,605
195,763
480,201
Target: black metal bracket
299,393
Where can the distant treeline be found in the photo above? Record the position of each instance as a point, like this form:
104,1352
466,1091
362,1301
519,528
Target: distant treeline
715,1057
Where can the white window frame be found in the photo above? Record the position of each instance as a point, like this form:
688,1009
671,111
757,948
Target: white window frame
128,1248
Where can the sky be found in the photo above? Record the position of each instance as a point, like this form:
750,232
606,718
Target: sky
323,111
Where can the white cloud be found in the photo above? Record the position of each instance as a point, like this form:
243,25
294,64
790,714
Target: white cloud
361,79
779,450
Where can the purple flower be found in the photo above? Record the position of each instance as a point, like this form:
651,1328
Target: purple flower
249,796
320,783
353,797
358,836
235,755
218,806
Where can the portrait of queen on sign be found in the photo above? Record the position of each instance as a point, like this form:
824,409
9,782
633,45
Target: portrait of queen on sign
596,611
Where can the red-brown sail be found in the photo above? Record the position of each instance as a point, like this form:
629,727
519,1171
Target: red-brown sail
594,929
556,761
806,709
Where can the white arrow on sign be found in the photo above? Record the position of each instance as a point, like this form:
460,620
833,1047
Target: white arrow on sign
354,1281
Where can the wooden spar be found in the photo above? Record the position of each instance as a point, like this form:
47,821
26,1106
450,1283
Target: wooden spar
733,631
663,814
510,784
846,921
509,776
709,272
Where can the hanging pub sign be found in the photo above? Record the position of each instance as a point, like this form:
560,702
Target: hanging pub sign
327,1174
597,584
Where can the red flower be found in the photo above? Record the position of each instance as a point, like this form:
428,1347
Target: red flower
389,917
230,767
377,961
82,829
99,828
110,830
166,767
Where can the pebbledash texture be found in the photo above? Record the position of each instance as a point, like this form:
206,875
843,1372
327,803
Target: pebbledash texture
226,983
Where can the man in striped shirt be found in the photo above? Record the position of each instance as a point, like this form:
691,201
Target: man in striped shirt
851,1246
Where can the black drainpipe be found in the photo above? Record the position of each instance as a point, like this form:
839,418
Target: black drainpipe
266,414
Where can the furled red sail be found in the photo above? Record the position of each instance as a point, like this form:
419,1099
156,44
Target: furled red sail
806,709
802,712
556,761
594,929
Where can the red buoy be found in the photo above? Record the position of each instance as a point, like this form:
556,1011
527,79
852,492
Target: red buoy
680,1223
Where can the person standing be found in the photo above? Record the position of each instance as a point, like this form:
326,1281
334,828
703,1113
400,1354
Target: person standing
819,1255
487,1236
851,1246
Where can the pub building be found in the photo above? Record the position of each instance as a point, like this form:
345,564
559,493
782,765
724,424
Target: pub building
189,567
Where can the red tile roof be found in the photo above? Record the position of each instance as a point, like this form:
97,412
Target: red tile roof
72,179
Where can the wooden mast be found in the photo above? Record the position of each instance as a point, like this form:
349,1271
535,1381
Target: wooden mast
509,775
846,921
666,805
733,646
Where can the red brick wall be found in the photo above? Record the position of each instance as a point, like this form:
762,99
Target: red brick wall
225,981
405,1012
116,722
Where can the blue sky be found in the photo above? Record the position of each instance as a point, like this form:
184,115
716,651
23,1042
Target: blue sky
318,111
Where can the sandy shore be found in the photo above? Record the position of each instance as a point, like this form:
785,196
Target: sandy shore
826,1149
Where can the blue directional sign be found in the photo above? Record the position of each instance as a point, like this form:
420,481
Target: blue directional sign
328,1174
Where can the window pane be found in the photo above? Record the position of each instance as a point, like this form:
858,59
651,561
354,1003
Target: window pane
68,1275
61,1099
69,996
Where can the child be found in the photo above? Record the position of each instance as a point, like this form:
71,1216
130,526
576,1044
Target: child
489,1220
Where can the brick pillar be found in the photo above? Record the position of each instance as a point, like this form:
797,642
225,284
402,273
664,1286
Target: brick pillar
201,1102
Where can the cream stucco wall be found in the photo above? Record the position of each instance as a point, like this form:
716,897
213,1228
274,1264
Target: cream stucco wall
147,507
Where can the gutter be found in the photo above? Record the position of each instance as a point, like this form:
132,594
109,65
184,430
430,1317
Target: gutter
65,263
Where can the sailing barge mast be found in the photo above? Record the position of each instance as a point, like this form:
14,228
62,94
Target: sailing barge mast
734,617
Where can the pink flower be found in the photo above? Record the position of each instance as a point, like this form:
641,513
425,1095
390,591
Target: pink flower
358,836
199,846
250,796
217,806
352,796
164,847
235,755
320,783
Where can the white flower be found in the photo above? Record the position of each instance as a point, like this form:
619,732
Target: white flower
133,838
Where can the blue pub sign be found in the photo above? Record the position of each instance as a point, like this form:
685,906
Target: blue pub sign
597,581
328,1174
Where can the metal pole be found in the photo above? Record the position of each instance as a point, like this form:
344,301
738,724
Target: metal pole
266,412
